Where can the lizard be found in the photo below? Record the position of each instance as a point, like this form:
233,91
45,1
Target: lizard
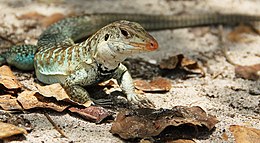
58,58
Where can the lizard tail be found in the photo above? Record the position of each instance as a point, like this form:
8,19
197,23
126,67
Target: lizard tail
20,56
159,22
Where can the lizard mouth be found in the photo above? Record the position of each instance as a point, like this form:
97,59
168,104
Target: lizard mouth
149,46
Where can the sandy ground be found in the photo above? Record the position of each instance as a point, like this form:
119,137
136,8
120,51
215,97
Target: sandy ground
226,97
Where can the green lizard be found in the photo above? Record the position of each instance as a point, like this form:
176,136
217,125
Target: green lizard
57,58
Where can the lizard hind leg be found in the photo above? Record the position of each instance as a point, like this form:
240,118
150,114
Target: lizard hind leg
20,56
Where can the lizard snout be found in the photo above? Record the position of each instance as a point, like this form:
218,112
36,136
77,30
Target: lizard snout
152,45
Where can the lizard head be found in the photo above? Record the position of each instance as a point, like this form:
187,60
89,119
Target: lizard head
122,39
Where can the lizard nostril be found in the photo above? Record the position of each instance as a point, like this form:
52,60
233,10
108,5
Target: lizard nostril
152,45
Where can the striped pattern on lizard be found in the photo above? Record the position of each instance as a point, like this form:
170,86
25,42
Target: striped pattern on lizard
57,58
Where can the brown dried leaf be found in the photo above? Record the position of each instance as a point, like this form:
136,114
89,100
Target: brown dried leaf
171,63
8,130
8,102
142,123
237,34
181,62
248,72
53,90
52,19
43,20
32,99
181,141
245,134
31,15
58,92
158,84
92,113
8,80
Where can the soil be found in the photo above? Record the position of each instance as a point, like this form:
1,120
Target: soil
219,93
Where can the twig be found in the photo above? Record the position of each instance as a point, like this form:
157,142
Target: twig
55,125
224,48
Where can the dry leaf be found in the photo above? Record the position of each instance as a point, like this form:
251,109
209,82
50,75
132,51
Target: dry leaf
92,113
158,84
237,34
8,80
8,130
245,134
32,99
52,19
180,121
9,102
248,72
53,90
42,19
31,15
171,62
181,141
58,92
181,62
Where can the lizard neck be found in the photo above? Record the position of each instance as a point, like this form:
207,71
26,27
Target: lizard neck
108,59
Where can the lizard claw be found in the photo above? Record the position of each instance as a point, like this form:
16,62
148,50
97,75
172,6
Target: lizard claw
142,102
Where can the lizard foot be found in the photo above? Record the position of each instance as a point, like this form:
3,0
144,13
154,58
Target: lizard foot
142,102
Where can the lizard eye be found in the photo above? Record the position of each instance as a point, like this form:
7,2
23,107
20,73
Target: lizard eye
125,33
106,37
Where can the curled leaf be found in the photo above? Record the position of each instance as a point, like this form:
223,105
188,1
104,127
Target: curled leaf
142,123
92,113
245,134
181,62
237,35
158,84
8,80
57,91
8,130
9,102
248,72
32,99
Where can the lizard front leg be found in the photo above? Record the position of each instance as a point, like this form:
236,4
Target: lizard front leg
74,84
126,83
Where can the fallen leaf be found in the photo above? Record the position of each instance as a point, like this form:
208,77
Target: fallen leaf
8,80
181,62
245,134
9,102
237,35
53,90
92,113
8,130
32,99
180,121
181,141
57,91
248,72
51,19
31,15
158,84
42,19
171,62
